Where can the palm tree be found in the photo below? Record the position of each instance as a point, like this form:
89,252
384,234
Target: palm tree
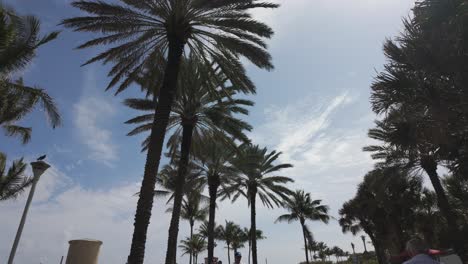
254,167
352,246
337,252
12,181
213,159
198,111
239,239
405,143
217,32
193,246
228,233
192,211
322,248
259,236
301,207
18,44
363,237
312,247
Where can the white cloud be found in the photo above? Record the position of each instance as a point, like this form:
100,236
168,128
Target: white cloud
89,114
323,138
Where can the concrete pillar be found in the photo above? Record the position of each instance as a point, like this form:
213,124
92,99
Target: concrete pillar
83,251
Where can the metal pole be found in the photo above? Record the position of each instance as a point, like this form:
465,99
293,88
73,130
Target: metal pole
39,167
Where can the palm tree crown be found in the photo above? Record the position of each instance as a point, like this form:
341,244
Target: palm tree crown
302,208
18,44
218,31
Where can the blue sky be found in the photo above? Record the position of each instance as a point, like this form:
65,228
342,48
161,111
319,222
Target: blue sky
313,107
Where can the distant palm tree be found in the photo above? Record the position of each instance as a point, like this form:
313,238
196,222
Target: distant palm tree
219,32
259,236
352,246
193,210
193,246
239,239
18,44
201,108
364,243
254,167
12,180
338,252
213,159
301,208
322,250
228,234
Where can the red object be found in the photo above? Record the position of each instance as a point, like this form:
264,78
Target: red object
404,256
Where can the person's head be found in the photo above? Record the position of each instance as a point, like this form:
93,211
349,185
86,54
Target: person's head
237,258
416,246
220,262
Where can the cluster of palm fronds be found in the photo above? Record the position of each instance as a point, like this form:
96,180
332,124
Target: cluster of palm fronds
421,97
19,40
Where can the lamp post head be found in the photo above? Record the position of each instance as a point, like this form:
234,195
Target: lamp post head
39,167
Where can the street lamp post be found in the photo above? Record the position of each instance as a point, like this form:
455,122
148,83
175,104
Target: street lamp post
38,167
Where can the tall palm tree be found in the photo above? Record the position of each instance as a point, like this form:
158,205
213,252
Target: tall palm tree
193,246
12,180
254,167
219,32
301,208
18,44
213,159
228,233
198,111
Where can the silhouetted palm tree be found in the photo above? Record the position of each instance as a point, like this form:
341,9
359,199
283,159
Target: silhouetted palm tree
259,236
228,233
219,32
193,210
12,180
301,208
193,246
405,143
254,167
213,159
18,44
364,243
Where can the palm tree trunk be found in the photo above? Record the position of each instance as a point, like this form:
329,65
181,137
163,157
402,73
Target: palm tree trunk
253,227
305,242
171,253
429,165
153,157
191,237
229,254
213,184
379,251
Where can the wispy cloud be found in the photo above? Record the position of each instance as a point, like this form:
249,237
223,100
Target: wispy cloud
324,146
89,114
